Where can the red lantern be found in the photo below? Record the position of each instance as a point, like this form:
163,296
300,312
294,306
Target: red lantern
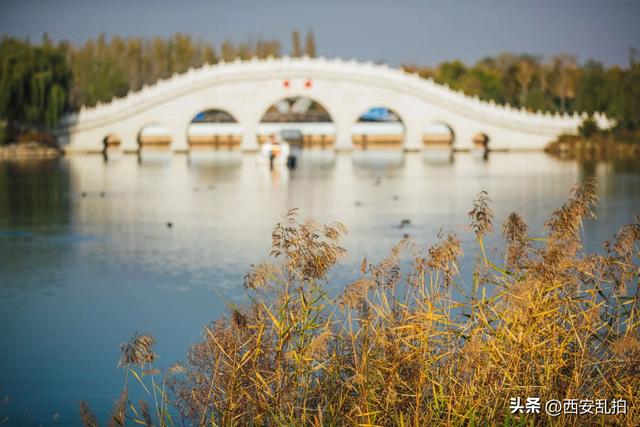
285,83
307,83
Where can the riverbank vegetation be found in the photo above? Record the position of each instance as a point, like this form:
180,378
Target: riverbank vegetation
410,343
592,142
41,81
555,84
597,143
558,84
34,86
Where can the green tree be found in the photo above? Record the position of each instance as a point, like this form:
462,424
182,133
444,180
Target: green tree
451,73
592,92
34,85
133,60
227,50
526,70
158,57
483,82
209,55
183,53
538,100
99,76
623,88
588,128
564,78
508,66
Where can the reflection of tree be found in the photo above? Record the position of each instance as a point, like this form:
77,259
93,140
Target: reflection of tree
587,167
34,192
625,164
220,170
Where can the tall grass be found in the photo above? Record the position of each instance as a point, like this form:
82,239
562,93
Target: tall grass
412,346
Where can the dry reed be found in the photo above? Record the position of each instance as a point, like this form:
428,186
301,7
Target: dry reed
410,347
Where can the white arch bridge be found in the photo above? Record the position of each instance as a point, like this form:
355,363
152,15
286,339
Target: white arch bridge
346,89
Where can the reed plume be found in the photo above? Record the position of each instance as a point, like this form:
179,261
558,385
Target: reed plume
407,342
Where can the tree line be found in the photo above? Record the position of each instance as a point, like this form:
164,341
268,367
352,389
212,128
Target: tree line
105,68
556,84
39,82
34,85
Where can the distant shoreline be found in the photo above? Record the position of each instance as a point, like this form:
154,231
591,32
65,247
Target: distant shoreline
28,150
603,143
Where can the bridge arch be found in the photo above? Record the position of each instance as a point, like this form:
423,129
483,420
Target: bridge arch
439,135
302,114
214,128
481,141
379,128
111,141
154,136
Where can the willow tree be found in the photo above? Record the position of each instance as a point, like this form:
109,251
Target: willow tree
34,85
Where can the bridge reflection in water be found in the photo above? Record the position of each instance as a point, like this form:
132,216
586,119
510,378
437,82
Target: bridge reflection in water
178,182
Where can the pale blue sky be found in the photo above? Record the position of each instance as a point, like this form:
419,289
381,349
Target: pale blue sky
409,31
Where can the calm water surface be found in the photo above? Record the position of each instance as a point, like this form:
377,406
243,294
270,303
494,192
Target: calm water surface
86,257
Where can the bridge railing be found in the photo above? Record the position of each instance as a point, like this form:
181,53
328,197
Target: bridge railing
436,92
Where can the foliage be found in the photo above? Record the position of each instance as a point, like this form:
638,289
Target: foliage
296,48
38,83
310,45
588,128
411,344
34,84
104,68
556,84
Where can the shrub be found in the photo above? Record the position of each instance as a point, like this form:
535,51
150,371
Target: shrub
588,128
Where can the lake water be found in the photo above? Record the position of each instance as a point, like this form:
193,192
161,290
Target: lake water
87,258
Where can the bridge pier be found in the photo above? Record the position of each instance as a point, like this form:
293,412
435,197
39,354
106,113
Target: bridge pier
129,140
344,140
179,142
463,139
249,136
412,135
